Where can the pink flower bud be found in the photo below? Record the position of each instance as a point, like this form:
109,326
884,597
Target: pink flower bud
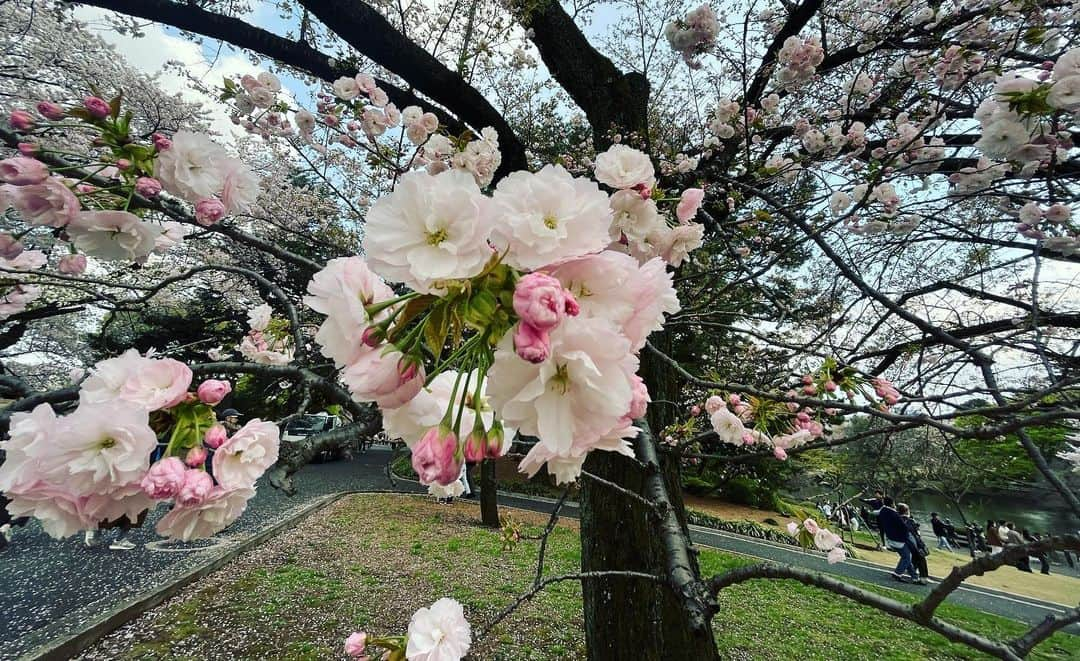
72,264
539,301
164,478
97,107
147,186
196,487
161,142
734,399
355,643
643,191
10,248
495,438
21,120
195,457
209,211
50,110
28,149
213,391
123,164
434,457
830,385
531,344
572,307
807,379
215,436
779,453
371,336
811,526
810,389
695,410
713,404
475,446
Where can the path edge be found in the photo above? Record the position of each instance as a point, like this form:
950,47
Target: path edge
68,645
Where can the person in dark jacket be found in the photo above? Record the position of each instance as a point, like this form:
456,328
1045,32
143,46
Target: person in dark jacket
992,536
896,536
915,543
941,531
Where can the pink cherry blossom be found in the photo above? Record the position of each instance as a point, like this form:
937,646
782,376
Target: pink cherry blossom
213,391
214,513
49,203
244,457
21,120
355,643
792,528
689,203
539,301
97,106
195,457
438,633
215,436
10,248
434,457
811,526
22,171
532,344
164,478
195,489
72,264
50,110
147,186
209,211
387,378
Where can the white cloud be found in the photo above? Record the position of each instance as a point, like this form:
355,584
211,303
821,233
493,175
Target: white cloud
154,51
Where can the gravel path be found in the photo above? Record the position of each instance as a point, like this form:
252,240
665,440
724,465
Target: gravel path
52,587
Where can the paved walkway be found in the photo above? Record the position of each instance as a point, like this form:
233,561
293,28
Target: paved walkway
50,588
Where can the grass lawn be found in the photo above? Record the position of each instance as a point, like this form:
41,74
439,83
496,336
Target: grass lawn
368,562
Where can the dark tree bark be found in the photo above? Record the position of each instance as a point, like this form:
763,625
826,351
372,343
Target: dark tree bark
489,497
620,533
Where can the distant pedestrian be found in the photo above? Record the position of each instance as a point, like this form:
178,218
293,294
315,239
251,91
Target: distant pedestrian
940,531
1044,560
993,536
896,536
915,543
1010,537
230,418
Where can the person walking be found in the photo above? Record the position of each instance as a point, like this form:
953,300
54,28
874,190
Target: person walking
1010,537
993,537
1042,557
940,531
915,543
896,536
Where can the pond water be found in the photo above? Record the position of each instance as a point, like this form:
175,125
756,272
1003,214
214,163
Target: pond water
1025,514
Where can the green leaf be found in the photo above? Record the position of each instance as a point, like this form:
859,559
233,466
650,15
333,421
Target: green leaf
192,419
438,324
114,105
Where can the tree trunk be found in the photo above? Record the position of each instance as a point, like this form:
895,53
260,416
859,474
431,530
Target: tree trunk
489,497
630,618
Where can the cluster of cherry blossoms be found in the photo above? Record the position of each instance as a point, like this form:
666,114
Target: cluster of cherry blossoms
694,34
1072,454
783,426
810,535
438,632
93,216
268,341
526,313
92,467
354,114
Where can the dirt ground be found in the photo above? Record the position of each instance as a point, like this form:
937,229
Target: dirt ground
1056,588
